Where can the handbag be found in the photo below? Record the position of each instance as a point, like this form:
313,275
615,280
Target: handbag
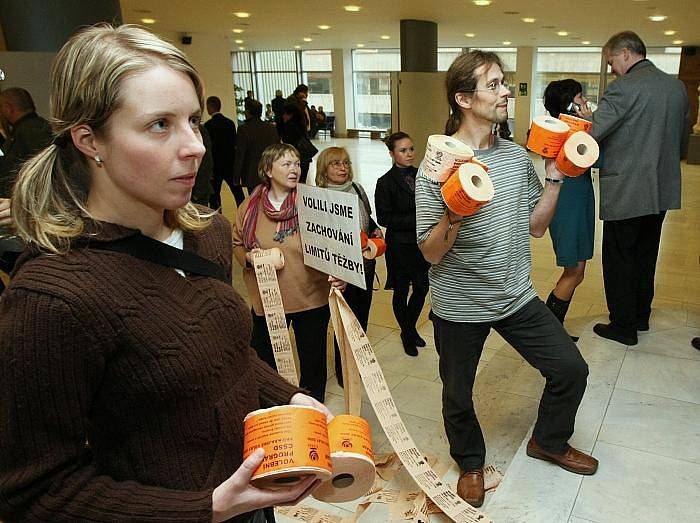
149,249
306,149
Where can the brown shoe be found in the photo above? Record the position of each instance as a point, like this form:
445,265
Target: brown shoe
572,460
470,487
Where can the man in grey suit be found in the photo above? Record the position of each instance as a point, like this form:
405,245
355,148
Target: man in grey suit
641,125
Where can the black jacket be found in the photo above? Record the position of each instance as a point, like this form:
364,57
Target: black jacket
222,132
29,135
253,137
395,203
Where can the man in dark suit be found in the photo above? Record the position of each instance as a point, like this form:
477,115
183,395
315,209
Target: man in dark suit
253,137
222,132
28,135
641,124
278,108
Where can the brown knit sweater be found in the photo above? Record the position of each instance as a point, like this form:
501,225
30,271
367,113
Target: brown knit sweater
124,385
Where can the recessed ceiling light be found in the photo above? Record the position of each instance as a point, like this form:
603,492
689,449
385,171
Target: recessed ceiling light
297,47
469,35
242,14
352,8
563,33
241,48
586,42
307,39
507,42
238,41
658,18
678,42
385,37
482,3
528,20
237,31
148,21
324,27
360,45
670,32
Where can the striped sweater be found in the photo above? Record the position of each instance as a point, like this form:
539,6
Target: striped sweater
485,276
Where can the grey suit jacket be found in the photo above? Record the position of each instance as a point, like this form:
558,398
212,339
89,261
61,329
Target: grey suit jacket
641,125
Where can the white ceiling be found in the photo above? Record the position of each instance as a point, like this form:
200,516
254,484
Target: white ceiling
277,24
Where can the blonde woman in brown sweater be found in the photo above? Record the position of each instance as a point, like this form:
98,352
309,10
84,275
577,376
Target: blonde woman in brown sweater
266,219
126,377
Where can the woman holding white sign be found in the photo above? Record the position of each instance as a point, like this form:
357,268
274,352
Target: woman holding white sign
266,219
334,171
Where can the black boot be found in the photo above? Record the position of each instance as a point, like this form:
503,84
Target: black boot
559,308
409,344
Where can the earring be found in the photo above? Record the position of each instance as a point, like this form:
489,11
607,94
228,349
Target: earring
98,160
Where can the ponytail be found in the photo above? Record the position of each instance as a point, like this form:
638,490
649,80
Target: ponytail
48,198
453,122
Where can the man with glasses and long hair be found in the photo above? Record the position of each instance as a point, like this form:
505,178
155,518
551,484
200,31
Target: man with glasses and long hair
480,279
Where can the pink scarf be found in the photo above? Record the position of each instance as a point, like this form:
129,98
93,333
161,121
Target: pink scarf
286,218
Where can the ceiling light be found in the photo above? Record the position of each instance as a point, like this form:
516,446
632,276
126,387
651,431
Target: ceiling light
563,33
352,8
586,42
360,45
528,20
324,27
148,21
237,31
238,41
307,39
242,14
469,35
297,47
669,32
241,48
507,42
385,37
678,42
482,3
658,18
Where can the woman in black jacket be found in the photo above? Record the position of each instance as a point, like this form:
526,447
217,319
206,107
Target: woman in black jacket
395,201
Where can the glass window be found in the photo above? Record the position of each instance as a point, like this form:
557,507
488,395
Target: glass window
447,55
376,60
320,90
264,72
557,63
372,86
318,60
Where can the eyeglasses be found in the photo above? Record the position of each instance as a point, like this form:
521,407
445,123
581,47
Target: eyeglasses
338,163
493,87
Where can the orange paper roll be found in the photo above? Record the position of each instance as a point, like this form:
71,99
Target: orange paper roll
363,239
295,439
374,249
467,190
443,156
353,462
575,123
579,152
547,136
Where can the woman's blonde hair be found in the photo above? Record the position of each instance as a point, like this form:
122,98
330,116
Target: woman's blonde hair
328,155
270,155
48,201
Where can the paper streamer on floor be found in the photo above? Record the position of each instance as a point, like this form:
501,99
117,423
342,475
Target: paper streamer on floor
350,335
266,263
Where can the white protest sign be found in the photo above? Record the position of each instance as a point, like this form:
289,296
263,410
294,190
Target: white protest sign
329,222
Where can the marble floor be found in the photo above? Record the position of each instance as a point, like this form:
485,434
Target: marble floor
640,415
